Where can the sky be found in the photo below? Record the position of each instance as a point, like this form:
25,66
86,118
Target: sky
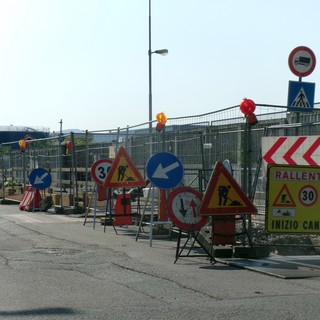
85,62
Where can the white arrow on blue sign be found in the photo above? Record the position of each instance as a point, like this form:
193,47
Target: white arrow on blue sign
40,178
164,170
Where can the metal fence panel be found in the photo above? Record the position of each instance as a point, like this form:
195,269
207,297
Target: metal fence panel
198,141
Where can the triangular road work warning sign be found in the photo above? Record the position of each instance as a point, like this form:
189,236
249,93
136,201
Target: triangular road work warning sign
224,196
284,198
123,173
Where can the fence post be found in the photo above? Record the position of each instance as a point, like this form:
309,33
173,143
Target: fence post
24,168
205,173
75,173
86,168
3,172
60,164
244,180
247,169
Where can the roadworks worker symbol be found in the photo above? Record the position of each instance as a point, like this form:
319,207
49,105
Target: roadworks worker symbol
224,196
284,198
123,173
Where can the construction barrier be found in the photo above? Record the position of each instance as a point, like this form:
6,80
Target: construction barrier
223,230
122,210
31,199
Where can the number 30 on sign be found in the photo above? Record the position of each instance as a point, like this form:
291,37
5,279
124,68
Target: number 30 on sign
308,196
100,169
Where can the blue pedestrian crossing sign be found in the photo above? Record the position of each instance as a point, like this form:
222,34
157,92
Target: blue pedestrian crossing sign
40,178
301,96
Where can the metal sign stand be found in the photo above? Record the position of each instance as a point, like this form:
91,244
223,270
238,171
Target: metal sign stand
245,232
152,210
108,209
122,215
95,195
194,235
89,204
152,222
33,192
95,206
142,214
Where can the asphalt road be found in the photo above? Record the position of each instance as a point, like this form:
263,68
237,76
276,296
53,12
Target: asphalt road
54,267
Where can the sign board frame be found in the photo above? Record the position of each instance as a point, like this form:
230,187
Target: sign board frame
292,199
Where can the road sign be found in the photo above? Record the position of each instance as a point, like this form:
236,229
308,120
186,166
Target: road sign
123,173
224,196
40,178
292,201
228,166
295,150
284,198
301,96
100,169
308,195
164,170
183,208
302,61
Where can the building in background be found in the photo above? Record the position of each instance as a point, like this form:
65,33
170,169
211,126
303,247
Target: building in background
9,134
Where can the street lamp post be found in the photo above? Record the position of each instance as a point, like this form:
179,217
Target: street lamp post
162,52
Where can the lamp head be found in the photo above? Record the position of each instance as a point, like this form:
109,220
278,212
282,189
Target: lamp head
162,52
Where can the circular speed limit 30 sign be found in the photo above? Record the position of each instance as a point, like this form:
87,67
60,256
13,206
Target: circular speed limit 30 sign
308,195
100,169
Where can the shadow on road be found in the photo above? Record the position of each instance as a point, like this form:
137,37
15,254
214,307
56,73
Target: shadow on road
38,312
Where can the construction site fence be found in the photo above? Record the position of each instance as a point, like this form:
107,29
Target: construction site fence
198,141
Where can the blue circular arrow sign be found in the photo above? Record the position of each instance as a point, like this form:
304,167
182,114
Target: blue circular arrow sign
164,170
40,178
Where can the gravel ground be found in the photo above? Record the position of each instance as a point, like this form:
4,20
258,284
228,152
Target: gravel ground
282,244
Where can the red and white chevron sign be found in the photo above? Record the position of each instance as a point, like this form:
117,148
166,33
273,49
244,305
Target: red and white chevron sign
297,150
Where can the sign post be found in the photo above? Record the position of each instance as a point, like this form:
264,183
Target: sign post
123,174
183,210
165,171
225,199
99,171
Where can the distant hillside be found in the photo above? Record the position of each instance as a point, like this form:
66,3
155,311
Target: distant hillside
73,130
